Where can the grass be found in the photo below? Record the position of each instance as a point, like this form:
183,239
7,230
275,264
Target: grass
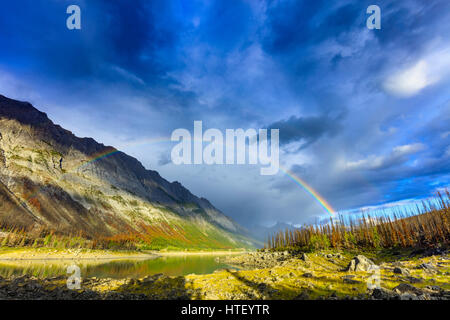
43,238
287,281
176,236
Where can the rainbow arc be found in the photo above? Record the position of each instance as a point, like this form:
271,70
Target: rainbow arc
111,151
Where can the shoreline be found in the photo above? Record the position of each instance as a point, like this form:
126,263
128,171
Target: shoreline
41,254
196,253
49,254
272,275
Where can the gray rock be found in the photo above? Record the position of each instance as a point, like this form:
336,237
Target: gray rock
383,294
434,288
402,271
424,296
302,296
360,263
407,288
428,267
408,296
414,280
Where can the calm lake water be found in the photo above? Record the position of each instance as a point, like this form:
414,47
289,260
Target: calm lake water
173,266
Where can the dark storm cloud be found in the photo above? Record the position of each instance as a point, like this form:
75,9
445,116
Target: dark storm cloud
305,129
295,25
312,69
226,24
404,22
402,172
139,39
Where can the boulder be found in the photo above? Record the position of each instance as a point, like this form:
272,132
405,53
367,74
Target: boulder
434,288
414,280
402,271
361,263
302,296
428,267
408,296
407,288
383,294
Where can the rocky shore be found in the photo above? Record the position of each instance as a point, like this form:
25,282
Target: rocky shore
32,288
419,276
267,275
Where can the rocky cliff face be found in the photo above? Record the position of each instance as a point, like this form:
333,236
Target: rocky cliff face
49,177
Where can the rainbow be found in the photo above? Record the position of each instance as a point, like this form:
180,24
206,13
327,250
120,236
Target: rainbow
323,203
111,151
99,156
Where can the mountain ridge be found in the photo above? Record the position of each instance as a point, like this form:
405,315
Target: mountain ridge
41,162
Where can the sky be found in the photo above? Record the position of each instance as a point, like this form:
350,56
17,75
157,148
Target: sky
364,115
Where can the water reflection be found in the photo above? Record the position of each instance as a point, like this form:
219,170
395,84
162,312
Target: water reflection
171,265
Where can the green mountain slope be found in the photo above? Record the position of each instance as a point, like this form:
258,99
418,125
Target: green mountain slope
51,178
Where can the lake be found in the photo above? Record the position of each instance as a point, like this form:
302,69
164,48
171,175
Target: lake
137,268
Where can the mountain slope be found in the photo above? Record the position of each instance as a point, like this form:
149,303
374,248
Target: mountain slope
49,177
